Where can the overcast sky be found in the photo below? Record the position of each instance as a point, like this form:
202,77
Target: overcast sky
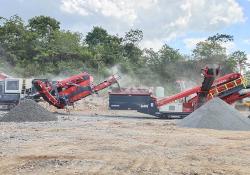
179,23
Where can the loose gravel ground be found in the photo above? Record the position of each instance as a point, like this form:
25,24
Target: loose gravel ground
80,144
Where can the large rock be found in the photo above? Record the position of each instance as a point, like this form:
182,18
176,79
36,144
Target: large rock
216,114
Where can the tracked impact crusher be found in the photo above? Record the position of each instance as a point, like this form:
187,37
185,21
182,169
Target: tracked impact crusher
66,92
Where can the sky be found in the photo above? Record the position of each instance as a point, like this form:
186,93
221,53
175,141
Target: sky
178,23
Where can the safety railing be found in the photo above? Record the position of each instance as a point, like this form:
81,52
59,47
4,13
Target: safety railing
227,86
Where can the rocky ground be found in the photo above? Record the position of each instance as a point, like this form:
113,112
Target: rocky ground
102,142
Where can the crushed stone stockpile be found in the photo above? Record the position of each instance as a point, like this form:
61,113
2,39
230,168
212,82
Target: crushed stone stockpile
28,111
216,114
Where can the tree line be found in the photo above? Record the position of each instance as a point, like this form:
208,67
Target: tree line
40,47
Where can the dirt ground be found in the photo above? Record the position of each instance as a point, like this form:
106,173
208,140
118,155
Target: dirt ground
120,143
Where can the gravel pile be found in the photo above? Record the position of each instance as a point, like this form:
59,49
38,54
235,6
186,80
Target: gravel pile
216,114
28,111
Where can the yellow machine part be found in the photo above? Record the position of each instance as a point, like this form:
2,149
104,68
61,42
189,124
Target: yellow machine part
246,103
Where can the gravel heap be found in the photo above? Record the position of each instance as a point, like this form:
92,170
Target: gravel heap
216,114
28,111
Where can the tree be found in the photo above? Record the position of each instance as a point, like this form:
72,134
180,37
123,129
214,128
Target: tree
164,63
220,38
133,36
42,31
106,48
150,56
41,47
11,31
66,42
112,52
13,38
43,25
212,51
96,37
131,51
168,54
209,51
239,60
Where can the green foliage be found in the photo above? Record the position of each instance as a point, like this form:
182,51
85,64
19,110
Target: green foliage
13,36
209,51
238,60
97,36
66,42
106,49
43,25
133,36
212,51
222,38
39,48
169,55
